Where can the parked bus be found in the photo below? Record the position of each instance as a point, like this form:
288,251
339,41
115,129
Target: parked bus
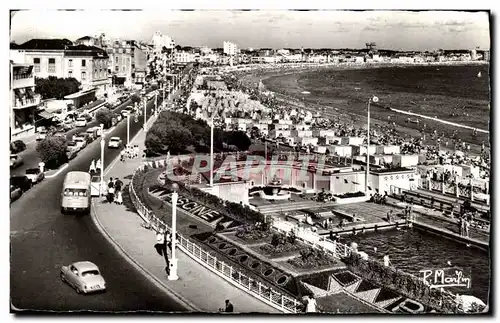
76,193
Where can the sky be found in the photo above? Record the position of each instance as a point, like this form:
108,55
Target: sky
397,30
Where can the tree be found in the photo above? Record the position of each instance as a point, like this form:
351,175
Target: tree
105,116
135,98
58,88
238,139
52,151
168,137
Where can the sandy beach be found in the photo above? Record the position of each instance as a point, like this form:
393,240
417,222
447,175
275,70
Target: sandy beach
289,85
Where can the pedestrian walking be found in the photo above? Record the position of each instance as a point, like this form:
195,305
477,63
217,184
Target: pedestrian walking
311,304
387,262
389,216
92,168
118,184
466,228
111,194
98,165
136,151
122,155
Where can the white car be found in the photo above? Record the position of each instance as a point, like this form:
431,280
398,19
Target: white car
84,276
42,135
81,122
80,142
114,142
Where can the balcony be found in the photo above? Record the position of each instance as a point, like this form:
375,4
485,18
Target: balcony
23,80
25,102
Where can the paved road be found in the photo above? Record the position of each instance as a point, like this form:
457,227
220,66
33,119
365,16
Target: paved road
42,240
30,155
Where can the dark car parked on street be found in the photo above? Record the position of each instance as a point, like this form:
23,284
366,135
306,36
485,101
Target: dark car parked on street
23,182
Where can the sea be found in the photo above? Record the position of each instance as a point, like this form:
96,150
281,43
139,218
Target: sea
457,93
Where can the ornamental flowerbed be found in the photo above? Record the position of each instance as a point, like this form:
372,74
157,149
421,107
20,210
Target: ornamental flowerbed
252,233
281,243
312,258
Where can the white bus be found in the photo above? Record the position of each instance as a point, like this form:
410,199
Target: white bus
76,193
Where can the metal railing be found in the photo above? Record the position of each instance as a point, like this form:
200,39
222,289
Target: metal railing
252,286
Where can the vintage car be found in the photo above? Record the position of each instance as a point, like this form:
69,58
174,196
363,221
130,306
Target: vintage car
35,175
15,193
114,142
84,276
16,161
81,122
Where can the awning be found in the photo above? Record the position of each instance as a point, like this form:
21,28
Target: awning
46,115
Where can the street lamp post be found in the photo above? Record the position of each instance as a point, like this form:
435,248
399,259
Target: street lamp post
173,260
212,151
103,143
156,104
128,128
374,99
145,119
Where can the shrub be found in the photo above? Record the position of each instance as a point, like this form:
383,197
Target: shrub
350,194
52,151
135,98
406,284
17,146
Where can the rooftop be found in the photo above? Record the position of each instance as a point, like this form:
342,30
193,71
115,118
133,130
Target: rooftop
45,44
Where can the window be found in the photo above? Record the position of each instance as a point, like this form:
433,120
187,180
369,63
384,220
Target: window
70,73
36,62
52,65
84,63
84,76
70,63
123,69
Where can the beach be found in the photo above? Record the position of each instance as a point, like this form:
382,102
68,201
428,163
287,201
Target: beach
433,91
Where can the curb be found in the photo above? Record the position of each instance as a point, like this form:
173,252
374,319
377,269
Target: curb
58,172
157,282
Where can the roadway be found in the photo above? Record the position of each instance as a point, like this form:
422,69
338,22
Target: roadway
42,240
30,156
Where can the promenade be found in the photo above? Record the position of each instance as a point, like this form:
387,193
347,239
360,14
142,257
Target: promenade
197,288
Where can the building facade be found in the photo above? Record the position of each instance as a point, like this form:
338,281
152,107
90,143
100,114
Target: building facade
62,59
128,62
89,65
183,57
229,48
23,100
159,41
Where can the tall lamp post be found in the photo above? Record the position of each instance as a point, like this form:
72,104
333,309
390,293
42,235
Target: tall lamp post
128,128
156,103
212,150
145,119
173,260
375,100
103,143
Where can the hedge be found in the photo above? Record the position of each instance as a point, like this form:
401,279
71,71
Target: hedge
406,284
233,210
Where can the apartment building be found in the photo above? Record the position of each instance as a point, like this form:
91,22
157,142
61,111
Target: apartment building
128,62
229,48
159,41
183,57
23,100
60,58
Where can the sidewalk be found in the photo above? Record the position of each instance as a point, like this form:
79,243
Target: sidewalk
197,288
